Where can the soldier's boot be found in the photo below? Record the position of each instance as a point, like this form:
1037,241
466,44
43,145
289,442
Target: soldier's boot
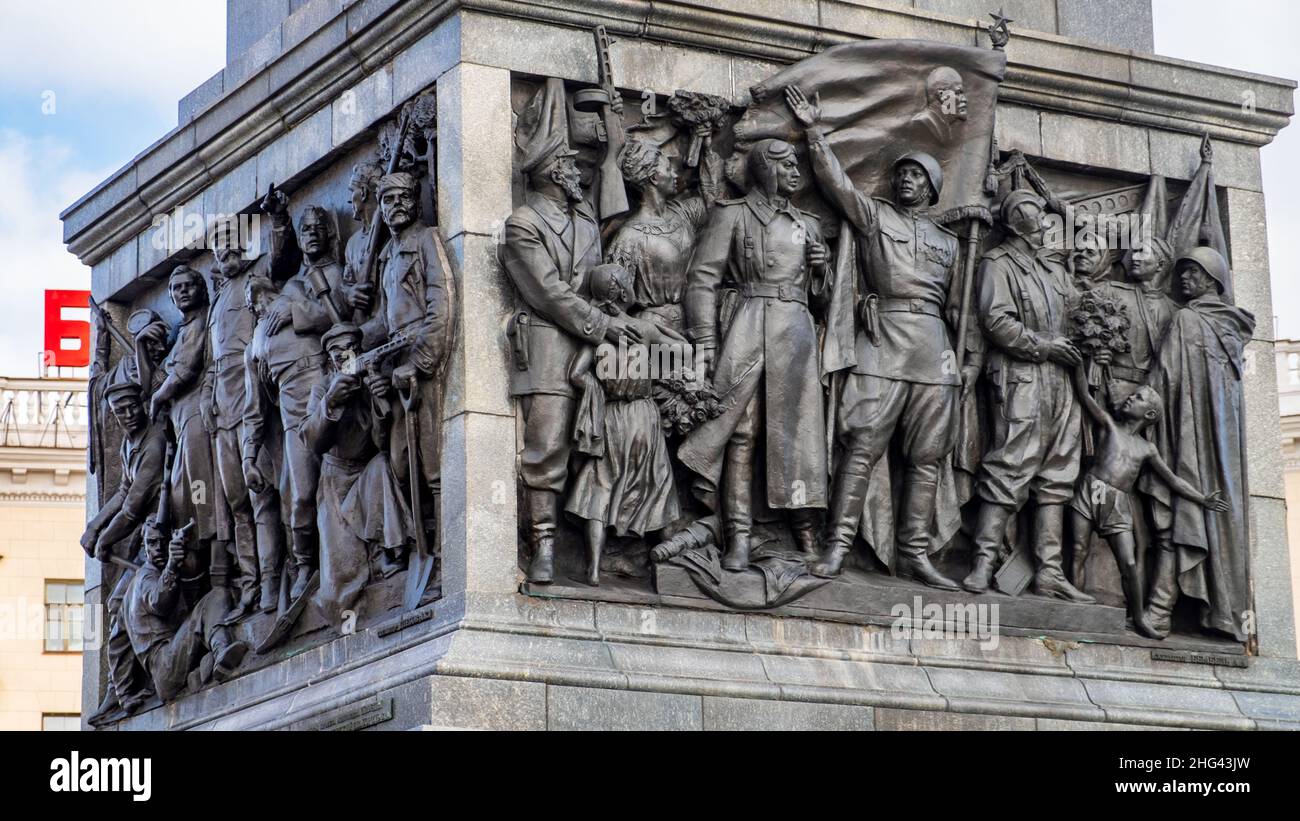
304,560
1158,615
246,560
737,505
803,523
1132,582
990,530
226,654
914,537
108,706
541,535
270,559
1049,579
846,510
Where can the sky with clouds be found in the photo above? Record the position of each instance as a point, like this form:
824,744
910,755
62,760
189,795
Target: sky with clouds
114,72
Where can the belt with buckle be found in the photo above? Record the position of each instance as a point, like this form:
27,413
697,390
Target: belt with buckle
908,306
785,293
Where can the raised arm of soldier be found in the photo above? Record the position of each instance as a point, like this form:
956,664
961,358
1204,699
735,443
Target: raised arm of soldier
832,180
286,257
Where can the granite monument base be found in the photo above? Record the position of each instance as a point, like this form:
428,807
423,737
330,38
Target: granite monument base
515,662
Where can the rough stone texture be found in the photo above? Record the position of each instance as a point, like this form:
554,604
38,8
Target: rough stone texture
247,21
1039,15
307,18
733,714
200,98
425,61
1135,663
862,20
473,195
362,105
663,69
886,683
589,708
1248,245
485,704
284,160
1094,66
534,47
480,540
1013,693
1244,91
1177,156
888,718
107,277
803,12
256,57
1117,23
489,671
476,377
1164,704
1059,725
234,192
1283,712
1017,127
1271,571
162,156
1090,142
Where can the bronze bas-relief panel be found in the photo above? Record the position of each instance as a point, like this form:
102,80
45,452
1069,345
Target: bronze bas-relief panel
831,351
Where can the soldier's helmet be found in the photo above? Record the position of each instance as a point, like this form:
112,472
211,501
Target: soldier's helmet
931,168
1210,261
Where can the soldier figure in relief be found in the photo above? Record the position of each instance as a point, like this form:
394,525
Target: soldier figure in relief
552,242
230,328
282,366
1036,443
904,383
185,394
760,351
119,521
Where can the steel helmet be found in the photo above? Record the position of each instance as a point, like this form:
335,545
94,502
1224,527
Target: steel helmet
1212,262
931,168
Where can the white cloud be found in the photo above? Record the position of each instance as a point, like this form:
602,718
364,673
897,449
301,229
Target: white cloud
151,49
39,181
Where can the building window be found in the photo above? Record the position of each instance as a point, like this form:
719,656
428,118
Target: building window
64,601
61,722
1293,367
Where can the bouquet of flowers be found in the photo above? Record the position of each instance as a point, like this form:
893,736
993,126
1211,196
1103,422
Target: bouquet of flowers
1098,323
685,402
695,108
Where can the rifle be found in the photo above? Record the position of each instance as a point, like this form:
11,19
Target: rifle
113,330
373,243
368,362
612,198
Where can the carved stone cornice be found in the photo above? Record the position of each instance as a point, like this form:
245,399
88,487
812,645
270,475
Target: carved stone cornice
1045,71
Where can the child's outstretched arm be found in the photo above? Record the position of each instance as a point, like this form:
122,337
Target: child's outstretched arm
1182,487
1096,411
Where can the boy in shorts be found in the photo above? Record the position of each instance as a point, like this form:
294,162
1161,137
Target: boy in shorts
1102,499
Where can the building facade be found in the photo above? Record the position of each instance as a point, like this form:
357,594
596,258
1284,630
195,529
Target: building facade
42,511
